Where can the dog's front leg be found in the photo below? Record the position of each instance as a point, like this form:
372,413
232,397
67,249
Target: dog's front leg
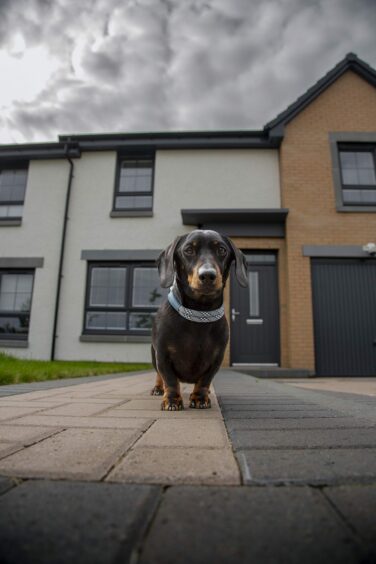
199,398
172,400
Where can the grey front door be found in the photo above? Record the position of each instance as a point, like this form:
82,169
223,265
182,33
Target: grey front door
254,315
344,314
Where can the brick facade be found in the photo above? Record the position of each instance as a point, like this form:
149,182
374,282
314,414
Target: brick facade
307,188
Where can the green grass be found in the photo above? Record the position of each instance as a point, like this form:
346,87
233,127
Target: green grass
16,370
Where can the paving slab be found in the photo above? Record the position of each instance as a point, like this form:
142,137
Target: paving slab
14,411
280,414
304,438
357,505
5,485
268,525
7,448
72,454
97,422
177,466
293,423
185,433
76,409
306,466
44,522
25,435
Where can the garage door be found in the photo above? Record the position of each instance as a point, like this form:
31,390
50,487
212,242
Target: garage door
344,313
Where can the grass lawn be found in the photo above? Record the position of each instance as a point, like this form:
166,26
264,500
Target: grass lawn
16,370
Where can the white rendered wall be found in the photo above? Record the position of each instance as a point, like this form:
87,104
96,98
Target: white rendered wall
183,179
39,236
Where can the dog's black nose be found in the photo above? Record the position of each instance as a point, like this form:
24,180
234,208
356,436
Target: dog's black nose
207,274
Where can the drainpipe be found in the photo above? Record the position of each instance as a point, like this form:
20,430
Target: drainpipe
62,246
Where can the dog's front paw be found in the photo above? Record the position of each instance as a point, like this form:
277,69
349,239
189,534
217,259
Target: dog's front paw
199,401
157,391
172,404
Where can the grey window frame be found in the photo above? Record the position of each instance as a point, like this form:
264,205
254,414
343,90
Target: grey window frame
131,212
128,307
338,141
13,165
4,313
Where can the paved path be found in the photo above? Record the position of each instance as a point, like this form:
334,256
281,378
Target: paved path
97,473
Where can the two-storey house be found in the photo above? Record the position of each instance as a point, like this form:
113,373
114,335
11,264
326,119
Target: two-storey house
83,220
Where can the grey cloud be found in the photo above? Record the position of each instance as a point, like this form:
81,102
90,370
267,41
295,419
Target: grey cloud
127,65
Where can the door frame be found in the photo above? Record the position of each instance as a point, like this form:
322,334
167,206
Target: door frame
234,288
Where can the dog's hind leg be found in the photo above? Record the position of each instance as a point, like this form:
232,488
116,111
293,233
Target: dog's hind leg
158,388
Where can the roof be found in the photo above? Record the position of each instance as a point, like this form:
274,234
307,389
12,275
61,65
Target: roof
350,62
172,140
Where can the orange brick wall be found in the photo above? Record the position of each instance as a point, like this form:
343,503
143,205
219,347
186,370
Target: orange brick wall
308,192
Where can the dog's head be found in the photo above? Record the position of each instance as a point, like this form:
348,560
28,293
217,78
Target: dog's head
201,262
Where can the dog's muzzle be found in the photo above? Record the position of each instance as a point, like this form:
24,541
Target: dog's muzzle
207,274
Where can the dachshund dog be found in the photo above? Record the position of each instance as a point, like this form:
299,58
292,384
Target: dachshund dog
190,331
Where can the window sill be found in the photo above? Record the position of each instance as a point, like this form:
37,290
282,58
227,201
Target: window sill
115,338
14,343
361,209
10,222
140,213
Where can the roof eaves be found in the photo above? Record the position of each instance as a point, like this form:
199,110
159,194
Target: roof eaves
350,62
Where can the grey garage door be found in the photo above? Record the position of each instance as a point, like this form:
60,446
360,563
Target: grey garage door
344,313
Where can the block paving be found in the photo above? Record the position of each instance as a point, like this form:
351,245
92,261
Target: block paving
275,472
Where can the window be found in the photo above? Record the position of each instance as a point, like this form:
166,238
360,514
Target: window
122,298
134,186
12,191
358,178
16,288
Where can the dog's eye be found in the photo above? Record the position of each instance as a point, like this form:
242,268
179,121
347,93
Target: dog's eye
222,251
189,250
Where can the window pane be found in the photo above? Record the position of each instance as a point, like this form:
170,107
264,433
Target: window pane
13,184
14,325
347,159
5,193
25,283
350,176
136,175
15,211
106,321
358,168
140,321
361,197
366,176
134,202
254,304
146,288
364,160
15,292
107,287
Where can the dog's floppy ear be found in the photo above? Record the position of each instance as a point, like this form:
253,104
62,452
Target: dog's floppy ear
240,264
165,263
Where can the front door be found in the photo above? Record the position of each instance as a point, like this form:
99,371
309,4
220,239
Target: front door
254,315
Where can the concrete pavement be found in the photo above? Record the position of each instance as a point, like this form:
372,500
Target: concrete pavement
96,473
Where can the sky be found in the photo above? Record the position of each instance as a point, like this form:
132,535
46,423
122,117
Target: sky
98,66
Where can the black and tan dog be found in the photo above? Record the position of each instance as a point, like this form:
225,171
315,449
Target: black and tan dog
190,331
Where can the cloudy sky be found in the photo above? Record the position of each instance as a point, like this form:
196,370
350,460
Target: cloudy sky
158,65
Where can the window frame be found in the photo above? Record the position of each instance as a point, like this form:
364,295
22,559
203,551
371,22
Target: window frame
17,165
352,141
124,212
4,313
128,308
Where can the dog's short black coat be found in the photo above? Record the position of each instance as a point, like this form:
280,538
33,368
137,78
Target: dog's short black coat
183,350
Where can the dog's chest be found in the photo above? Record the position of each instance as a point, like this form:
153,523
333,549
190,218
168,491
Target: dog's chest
192,356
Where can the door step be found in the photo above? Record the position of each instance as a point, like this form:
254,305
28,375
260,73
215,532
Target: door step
273,371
